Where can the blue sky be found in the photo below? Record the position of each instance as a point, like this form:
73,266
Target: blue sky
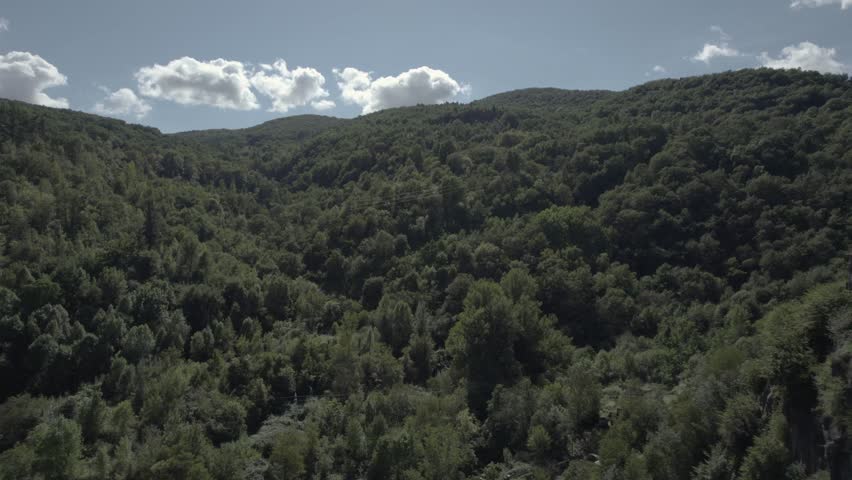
154,62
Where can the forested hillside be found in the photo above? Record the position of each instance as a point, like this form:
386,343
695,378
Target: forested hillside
647,284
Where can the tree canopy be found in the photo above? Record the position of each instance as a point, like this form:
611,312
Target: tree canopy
539,284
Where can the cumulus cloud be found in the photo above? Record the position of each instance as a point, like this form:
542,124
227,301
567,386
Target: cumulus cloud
659,69
722,34
656,70
715,50
24,76
711,51
422,85
122,103
844,4
323,104
291,88
4,24
806,56
187,81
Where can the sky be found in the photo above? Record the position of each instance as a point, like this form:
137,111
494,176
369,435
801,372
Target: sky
189,64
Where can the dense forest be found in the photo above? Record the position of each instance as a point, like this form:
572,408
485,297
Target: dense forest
646,284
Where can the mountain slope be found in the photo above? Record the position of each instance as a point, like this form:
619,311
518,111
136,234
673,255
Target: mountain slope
636,284
544,98
291,129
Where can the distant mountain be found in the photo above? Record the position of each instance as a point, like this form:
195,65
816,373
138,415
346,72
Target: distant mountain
544,98
20,121
291,129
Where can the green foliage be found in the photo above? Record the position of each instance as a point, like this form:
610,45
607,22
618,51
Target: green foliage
482,342
139,342
768,457
57,448
636,284
572,226
287,460
18,416
539,441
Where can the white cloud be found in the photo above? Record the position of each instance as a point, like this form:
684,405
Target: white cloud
422,85
24,76
711,51
715,50
291,88
806,56
656,70
187,81
323,104
844,4
722,34
123,103
4,24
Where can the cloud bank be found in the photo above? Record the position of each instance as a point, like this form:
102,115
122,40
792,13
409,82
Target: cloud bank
323,104
187,81
711,51
291,88
806,56
422,85
230,84
24,76
844,4
122,103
